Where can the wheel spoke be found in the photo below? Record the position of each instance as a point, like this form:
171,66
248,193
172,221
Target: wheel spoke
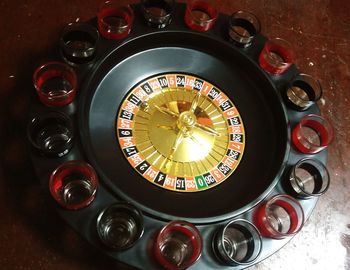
165,127
177,142
195,102
207,129
166,111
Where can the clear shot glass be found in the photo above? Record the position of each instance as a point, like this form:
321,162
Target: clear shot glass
51,134
201,15
312,134
302,92
115,21
55,84
157,13
237,243
276,56
74,184
279,217
243,28
309,178
78,43
119,226
178,245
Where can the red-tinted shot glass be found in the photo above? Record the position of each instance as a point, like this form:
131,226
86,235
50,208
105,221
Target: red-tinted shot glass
309,178
115,21
279,217
201,15
302,92
243,28
51,134
157,13
312,134
74,184
78,43
55,84
276,56
178,245
237,243
119,226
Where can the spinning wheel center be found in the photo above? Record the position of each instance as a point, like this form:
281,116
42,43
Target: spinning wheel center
186,119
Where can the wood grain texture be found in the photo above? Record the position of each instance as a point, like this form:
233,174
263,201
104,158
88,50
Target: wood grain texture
32,236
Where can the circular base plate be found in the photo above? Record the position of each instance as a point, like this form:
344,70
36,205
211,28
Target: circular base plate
121,65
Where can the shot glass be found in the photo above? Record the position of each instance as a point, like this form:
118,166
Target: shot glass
302,92
312,134
158,13
178,245
73,184
276,56
78,43
243,28
237,243
279,217
115,21
51,134
201,15
119,226
55,84
309,178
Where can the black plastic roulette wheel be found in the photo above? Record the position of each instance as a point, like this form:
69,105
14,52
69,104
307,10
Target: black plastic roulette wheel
170,140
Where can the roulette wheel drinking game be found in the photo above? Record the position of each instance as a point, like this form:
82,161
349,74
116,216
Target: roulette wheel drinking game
173,136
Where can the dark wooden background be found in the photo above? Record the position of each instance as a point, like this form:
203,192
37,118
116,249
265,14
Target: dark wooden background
32,236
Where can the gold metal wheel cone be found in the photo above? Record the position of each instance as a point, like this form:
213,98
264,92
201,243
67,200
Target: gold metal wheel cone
178,132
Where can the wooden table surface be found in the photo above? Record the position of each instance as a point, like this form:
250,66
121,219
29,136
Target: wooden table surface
32,235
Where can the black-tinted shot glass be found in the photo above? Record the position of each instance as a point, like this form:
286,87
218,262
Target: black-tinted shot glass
178,245
157,13
309,178
78,43
201,15
74,184
243,28
51,134
237,243
115,20
55,84
302,92
119,226
279,217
